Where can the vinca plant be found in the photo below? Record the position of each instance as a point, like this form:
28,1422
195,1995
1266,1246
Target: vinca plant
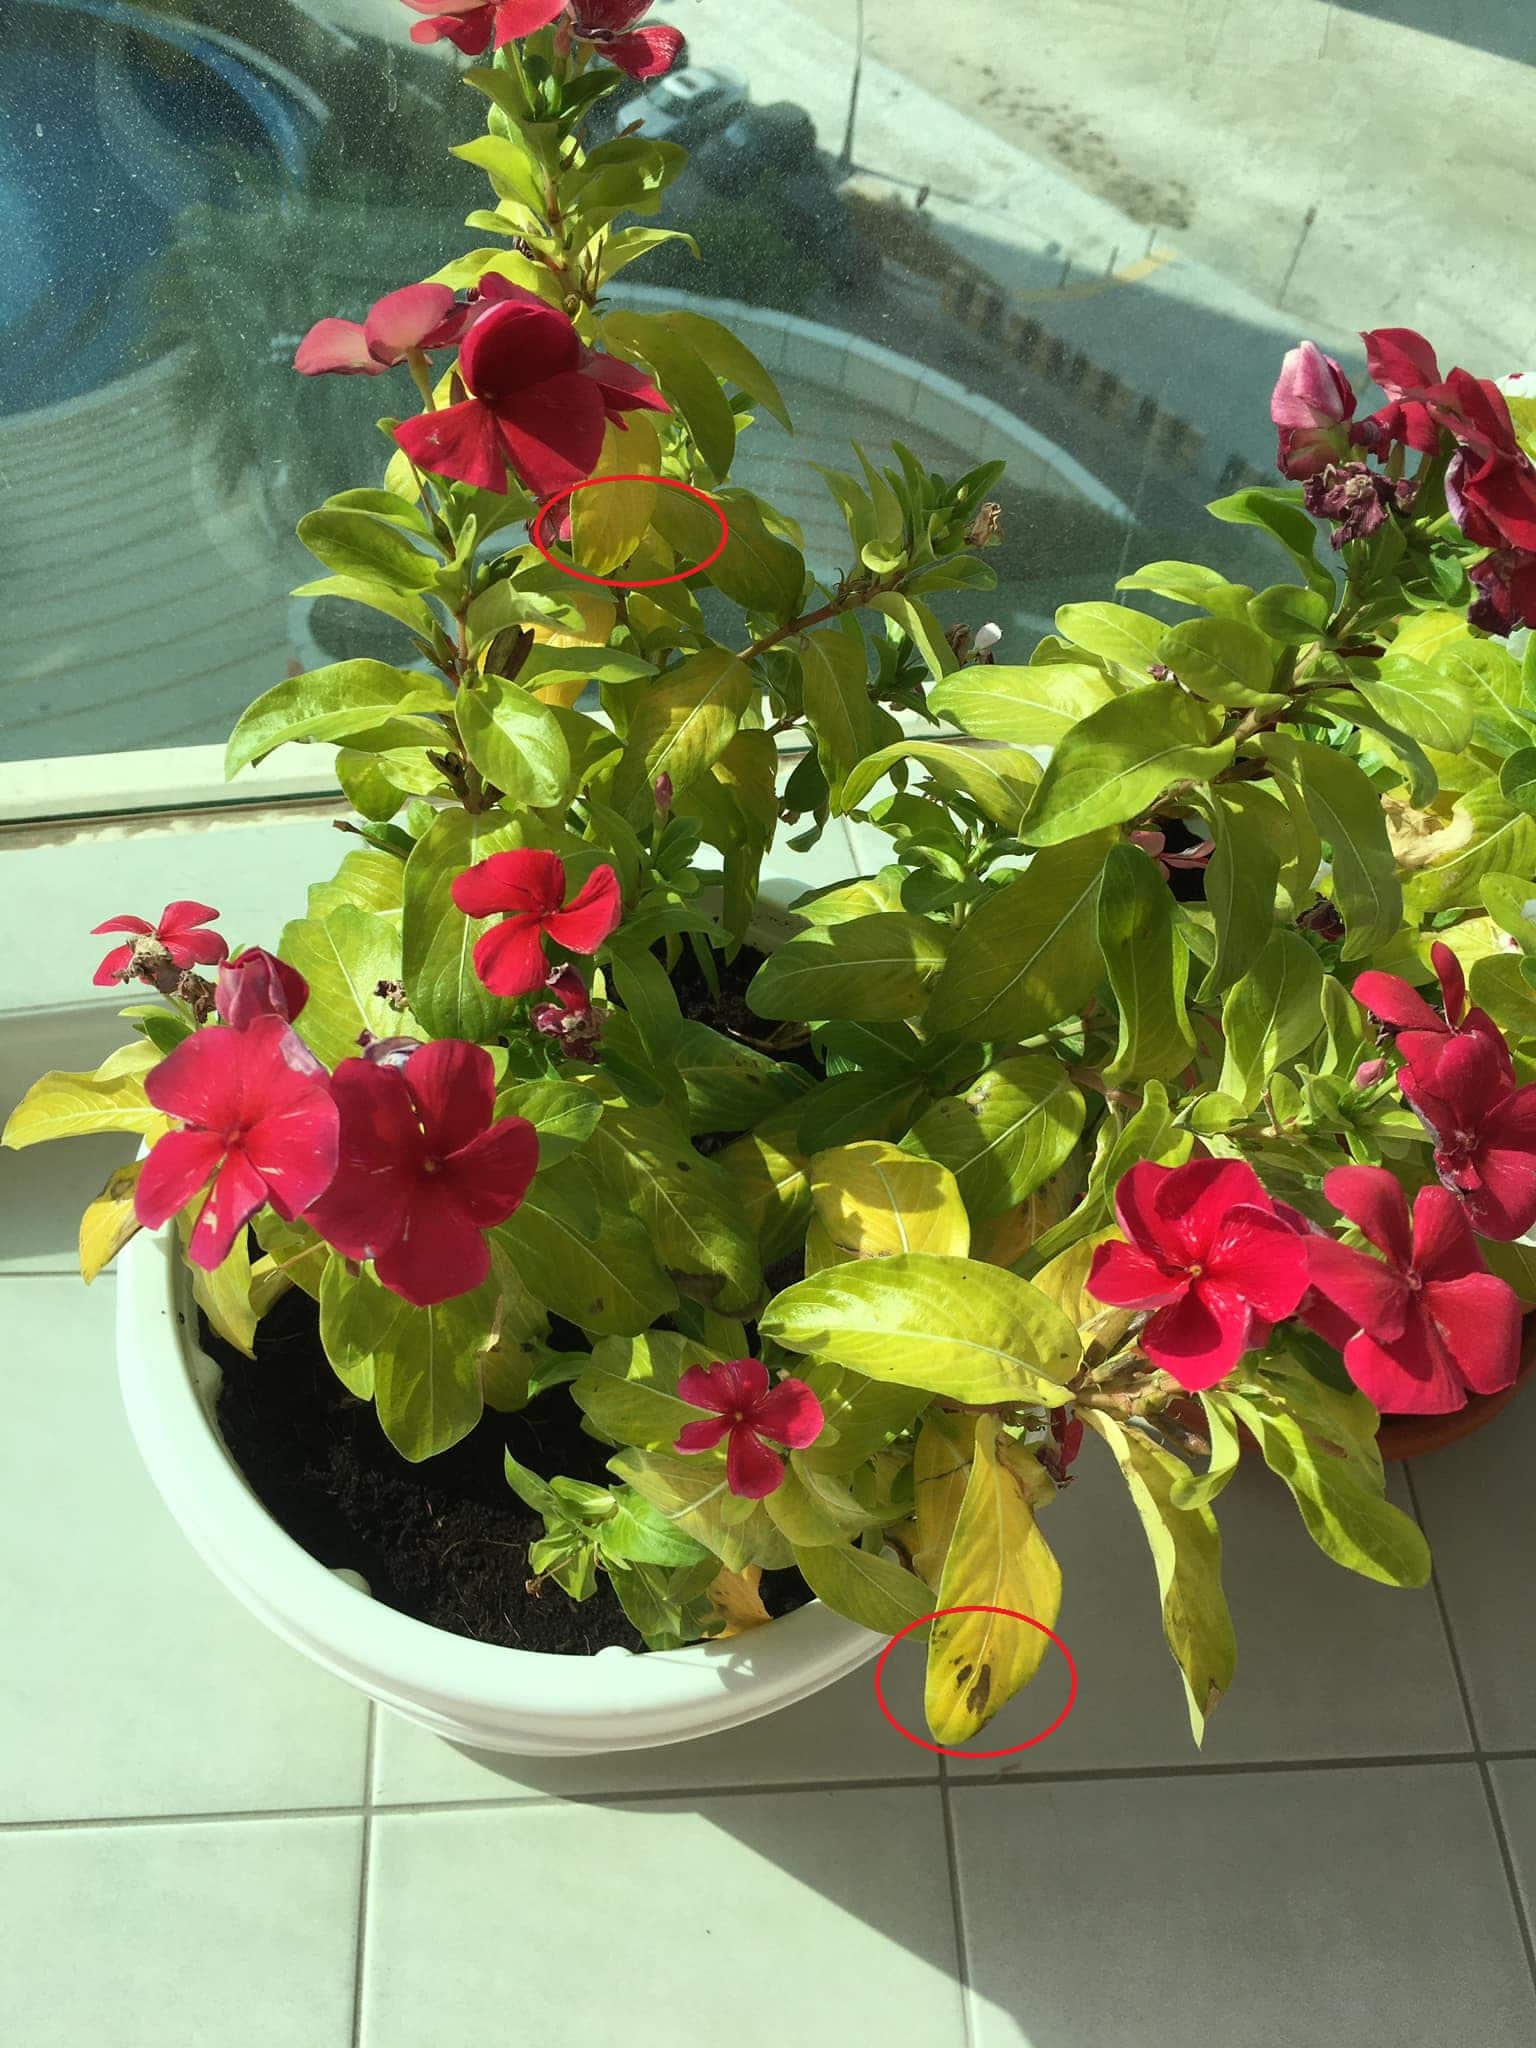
1163,1093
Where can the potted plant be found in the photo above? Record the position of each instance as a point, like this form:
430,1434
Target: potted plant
1172,1094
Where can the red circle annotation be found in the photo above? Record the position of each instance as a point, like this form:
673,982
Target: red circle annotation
535,532
939,1748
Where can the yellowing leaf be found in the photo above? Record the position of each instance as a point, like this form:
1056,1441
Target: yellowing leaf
609,520
1065,1280
872,1200
63,1105
224,1295
109,1222
996,1558
734,1596
941,1470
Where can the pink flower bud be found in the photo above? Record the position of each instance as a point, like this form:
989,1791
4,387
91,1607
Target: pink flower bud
1310,403
663,792
1369,1072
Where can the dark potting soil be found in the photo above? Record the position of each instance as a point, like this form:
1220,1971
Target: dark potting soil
445,1541
728,1011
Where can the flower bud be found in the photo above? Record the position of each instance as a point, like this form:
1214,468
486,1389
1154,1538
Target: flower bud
1310,404
258,984
987,637
1369,1072
663,792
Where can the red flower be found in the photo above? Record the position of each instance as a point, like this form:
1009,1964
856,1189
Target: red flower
745,1408
570,1019
1059,1452
1211,1254
1506,582
257,1127
258,984
1421,1032
612,28
530,886
418,317
423,1171
1404,365
538,401
474,25
1155,844
1311,401
1428,1325
178,933
1484,1129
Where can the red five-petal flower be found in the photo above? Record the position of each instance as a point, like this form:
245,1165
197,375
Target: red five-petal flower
1421,1034
1210,1254
530,886
257,1127
178,931
744,1408
1421,1327
1485,1130
473,25
423,1170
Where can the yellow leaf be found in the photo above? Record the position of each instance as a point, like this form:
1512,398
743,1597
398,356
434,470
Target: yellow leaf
997,1558
1002,1240
1065,1280
224,1295
64,1105
941,1469
873,1201
109,1222
609,521
735,1596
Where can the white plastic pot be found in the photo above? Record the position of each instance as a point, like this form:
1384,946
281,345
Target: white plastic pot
475,1693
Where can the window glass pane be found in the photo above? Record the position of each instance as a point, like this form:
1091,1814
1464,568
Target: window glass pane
1076,237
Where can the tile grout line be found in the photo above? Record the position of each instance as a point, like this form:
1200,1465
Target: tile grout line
364,1859
1490,1793
962,1946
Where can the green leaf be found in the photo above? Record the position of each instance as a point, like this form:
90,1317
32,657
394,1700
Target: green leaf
845,719
629,1391
1000,781
344,956
1027,955
684,377
1347,812
682,723
859,1414
1191,583
1121,758
730,1086
516,742
605,1280
1488,674
1285,611
1221,659
871,969
813,1508
1186,1551
1006,1135
514,171
997,1557
691,1493
368,879
1273,1013
1517,780
1114,632
638,1533
366,702
730,359
1192,1490
1342,1502
1279,512
1241,877
1487,834
423,1363
354,544
863,1586
956,1327
411,611
438,939
757,570
920,627
685,1203
1027,706
65,1105
1432,708
563,1113
1148,966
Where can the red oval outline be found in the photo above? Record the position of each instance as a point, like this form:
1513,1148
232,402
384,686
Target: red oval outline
939,1748
672,483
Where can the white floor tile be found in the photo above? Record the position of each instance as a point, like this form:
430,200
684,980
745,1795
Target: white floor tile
757,1920
1479,1509
839,1735
1328,1664
134,1683
1514,1786
1366,1908
237,1934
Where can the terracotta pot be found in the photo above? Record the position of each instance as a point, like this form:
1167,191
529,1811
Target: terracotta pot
1414,1436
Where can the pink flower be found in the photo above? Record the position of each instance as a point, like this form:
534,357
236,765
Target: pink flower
256,1128
1422,1033
612,28
416,318
570,1019
1211,1254
258,984
178,933
538,401
744,1408
474,25
530,887
1155,844
1420,1330
1484,1129
1311,402
423,1170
